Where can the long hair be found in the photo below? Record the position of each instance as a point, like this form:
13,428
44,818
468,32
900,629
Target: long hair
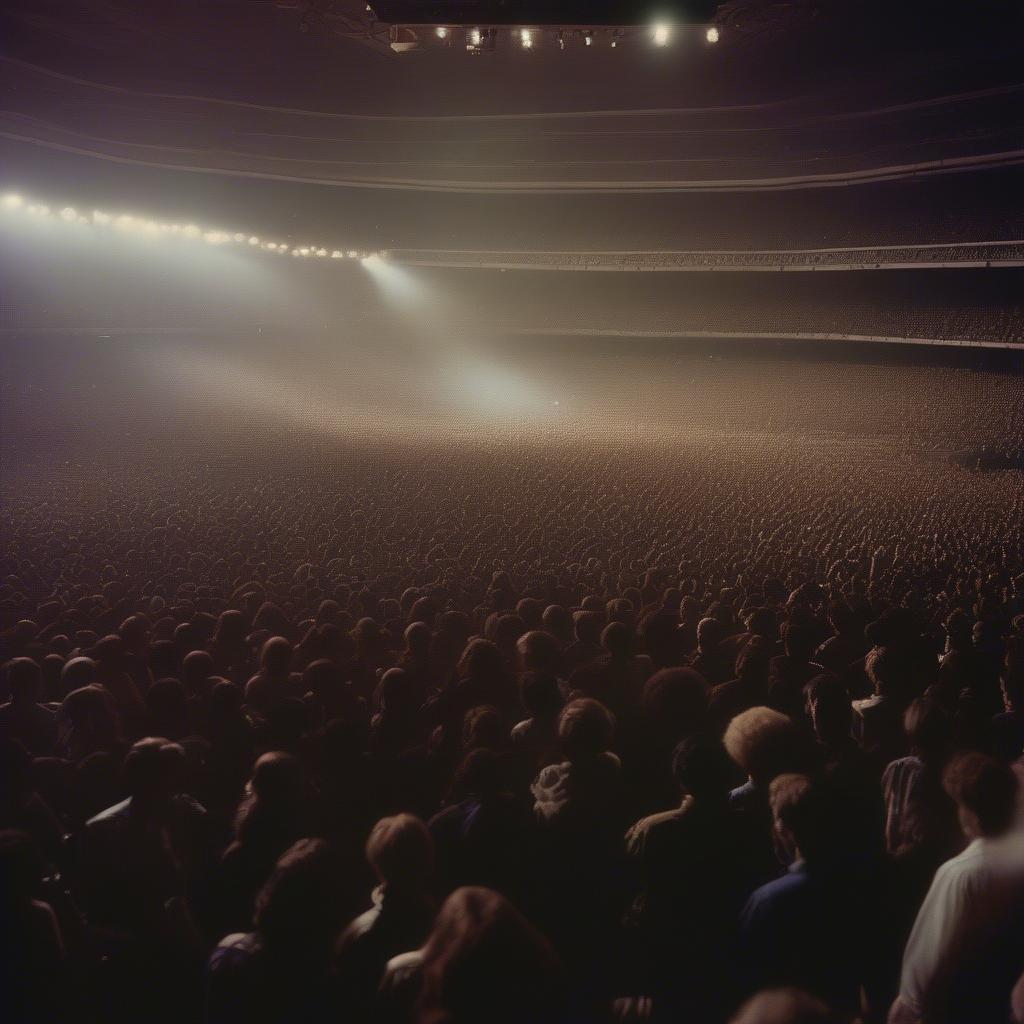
484,961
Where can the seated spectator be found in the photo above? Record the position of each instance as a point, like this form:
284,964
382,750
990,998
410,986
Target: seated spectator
535,739
275,682
790,672
1008,728
400,853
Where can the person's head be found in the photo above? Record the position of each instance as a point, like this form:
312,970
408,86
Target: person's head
710,634
764,743
479,774
277,778
168,708
985,793
275,656
298,910
784,1006
762,622
754,660
196,670
885,670
702,768
587,626
24,679
1011,684
828,703
483,728
398,692
803,813
152,771
78,673
674,701
540,694
585,729
799,641
481,661
558,622
538,652
417,639
484,961
617,639
400,852
929,730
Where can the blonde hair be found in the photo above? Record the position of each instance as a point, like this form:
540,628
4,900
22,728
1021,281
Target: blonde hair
763,742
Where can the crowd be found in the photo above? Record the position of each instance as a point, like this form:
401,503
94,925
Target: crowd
454,734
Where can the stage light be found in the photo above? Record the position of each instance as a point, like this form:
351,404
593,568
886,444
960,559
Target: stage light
190,231
253,240
474,37
239,237
336,255
526,38
69,213
588,38
712,35
660,34
12,201
352,254
442,32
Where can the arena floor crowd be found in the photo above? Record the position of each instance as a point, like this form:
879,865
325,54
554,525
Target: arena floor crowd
634,728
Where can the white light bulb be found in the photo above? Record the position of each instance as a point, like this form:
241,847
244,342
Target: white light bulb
712,35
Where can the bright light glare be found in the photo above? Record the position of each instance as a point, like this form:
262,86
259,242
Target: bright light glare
129,222
661,35
442,32
712,35
526,36
474,37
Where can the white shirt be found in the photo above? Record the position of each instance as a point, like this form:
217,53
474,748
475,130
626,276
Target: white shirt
970,903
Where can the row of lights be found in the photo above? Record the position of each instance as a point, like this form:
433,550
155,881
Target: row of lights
661,35
156,229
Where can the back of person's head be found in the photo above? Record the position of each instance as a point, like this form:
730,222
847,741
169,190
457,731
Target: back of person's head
617,639
702,768
78,673
675,699
538,652
710,633
929,730
481,661
277,778
297,910
417,638
799,641
479,774
196,668
985,792
400,851
587,626
540,694
483,961
276,655
764,743
762,622
558,622
828,702
754,659
785,1006
152,769
483,728
803,810
24,679
167,705
885,670
585,728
